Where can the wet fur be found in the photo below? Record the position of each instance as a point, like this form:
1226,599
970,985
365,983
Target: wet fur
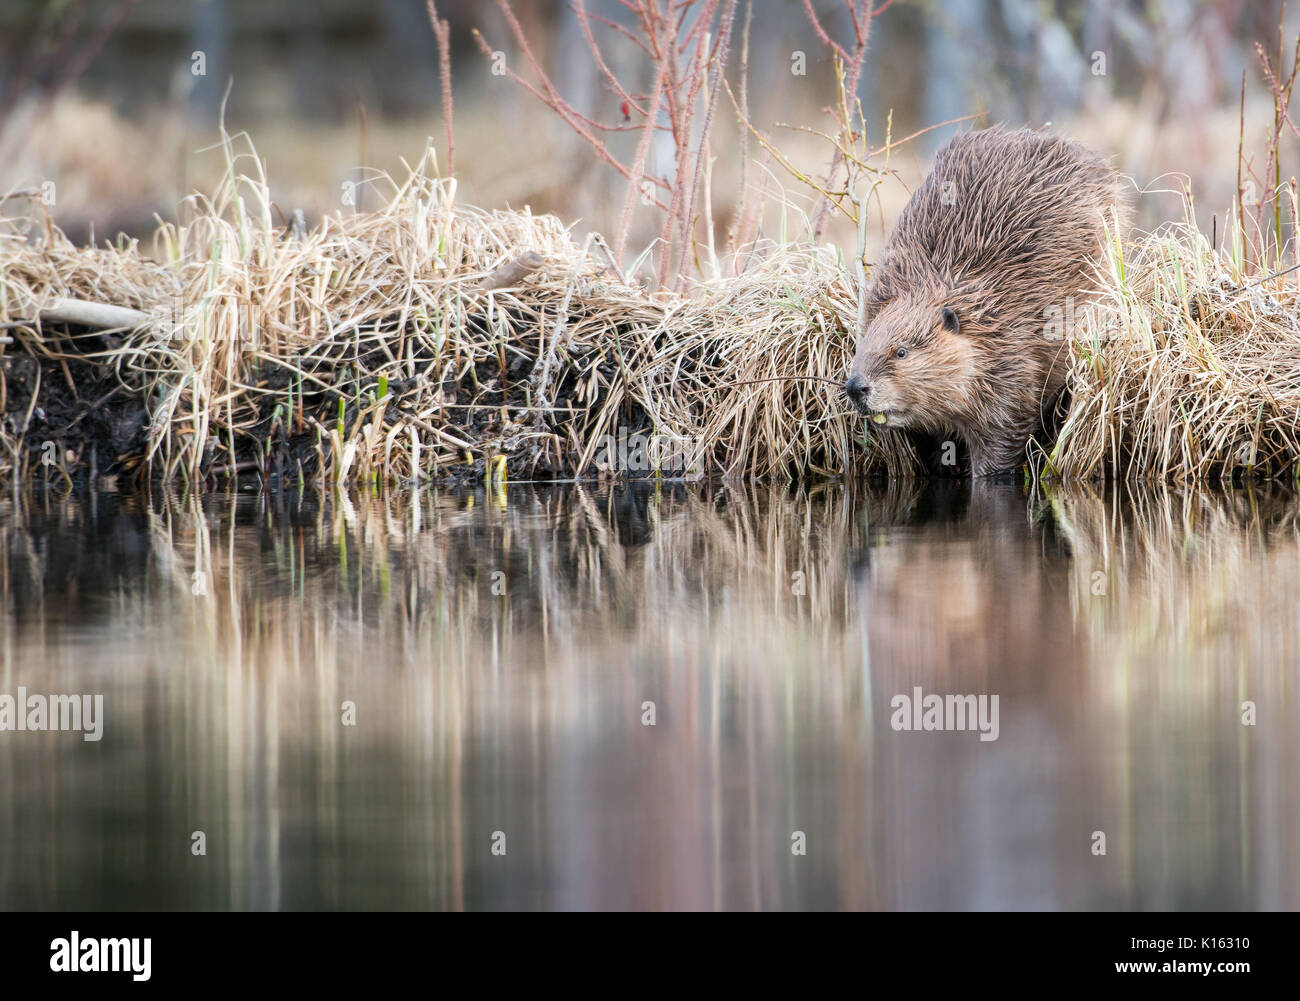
1004,230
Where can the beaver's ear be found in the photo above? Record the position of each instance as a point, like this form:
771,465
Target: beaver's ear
950,321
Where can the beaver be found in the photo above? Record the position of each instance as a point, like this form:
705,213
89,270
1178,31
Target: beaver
957,338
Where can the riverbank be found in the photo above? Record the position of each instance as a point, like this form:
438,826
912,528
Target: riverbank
431,341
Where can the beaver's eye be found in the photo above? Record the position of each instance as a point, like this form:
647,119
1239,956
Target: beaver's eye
901,353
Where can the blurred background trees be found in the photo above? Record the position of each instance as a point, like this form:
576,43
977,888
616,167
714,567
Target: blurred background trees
114,100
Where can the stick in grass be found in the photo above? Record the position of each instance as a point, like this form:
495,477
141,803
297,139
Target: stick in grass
513,271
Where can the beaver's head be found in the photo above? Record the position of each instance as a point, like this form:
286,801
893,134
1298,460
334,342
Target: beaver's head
916,364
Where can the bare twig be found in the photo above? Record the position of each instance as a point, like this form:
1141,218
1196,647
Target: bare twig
513,271
99,315
442,31
688,213
733,234
685,41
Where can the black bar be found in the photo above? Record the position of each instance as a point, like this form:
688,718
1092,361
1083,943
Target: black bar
491,952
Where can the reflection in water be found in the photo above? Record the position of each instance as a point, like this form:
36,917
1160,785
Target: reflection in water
500,649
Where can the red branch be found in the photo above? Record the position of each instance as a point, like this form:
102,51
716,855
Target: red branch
442,31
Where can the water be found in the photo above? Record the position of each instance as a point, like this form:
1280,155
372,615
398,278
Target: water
770,629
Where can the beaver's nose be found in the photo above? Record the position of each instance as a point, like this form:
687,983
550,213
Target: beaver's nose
856,389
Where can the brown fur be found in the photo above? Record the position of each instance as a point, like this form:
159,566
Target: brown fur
1004,232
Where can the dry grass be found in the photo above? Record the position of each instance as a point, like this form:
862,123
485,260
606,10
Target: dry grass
1188,370
375,348
369,348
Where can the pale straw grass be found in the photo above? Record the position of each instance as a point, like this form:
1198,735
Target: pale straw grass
368,349
373,348
1187,369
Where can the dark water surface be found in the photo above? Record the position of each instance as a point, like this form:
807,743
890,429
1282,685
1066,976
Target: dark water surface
771,629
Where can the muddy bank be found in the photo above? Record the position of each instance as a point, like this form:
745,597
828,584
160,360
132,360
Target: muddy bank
426,340
431,341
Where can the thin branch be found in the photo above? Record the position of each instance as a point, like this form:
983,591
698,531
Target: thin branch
743,115
728,17
642,151
584,23
553,101
442,31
